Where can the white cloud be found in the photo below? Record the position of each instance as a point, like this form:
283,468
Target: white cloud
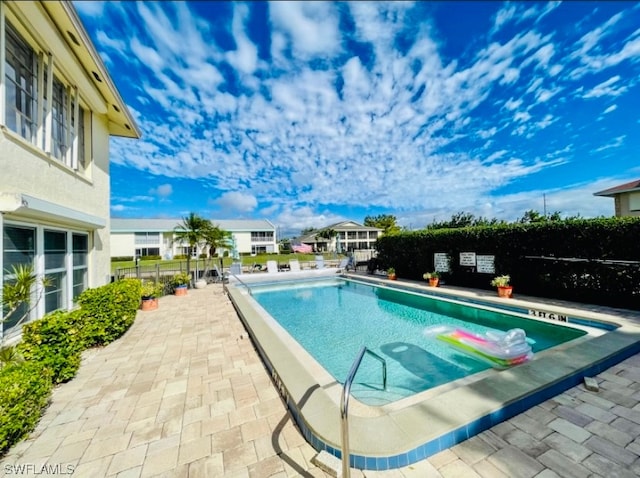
377,128
311,28
163,191
614,144
245,57
607,88
610,109
236,201
91,9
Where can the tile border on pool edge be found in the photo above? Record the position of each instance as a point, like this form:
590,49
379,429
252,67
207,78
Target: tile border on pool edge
445,440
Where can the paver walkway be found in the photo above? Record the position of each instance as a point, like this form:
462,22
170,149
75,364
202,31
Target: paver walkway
184,394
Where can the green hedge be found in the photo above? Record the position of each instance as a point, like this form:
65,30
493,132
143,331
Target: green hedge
55,341
534,255
51,348
150,258
109,311
24,393
122,259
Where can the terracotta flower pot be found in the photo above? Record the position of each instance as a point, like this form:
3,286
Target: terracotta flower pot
505,291
149,303
392,276
434,282
180,290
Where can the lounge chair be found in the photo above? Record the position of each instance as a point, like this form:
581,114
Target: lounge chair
319,262
294,265
344,264
272,266
235,269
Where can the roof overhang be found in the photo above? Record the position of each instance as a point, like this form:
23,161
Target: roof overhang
23,206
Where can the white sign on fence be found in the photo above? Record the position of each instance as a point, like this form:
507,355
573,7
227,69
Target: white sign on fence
486,264
441,261
468,259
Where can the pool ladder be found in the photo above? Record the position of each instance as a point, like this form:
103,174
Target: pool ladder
344,403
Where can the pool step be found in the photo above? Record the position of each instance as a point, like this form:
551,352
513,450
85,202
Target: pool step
328,463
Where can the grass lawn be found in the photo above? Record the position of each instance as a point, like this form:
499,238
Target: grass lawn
246,261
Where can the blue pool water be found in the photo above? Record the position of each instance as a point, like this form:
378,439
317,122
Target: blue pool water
332,319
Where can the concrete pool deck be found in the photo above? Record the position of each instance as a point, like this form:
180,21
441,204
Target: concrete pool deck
183,393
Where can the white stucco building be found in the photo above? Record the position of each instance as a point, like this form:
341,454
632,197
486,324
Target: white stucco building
350,236
155,237
58,108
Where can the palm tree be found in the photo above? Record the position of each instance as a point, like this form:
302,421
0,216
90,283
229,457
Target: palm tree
192,231
215,238
328,233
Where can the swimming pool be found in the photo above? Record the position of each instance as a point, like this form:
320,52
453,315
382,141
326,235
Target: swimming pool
333,318
410,429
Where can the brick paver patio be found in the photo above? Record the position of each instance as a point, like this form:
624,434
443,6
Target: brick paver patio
184,394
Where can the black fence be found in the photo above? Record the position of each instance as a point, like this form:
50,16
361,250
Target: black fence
163,272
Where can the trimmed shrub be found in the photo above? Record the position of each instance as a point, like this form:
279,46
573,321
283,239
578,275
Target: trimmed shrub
109,311
150,258
55,341
24,394
122,259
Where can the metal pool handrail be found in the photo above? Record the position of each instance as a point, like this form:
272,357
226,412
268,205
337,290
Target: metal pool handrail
243,283
344,403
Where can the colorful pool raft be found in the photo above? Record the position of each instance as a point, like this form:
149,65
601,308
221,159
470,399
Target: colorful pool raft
500,349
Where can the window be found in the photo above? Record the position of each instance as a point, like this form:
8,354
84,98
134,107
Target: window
19,248
80,247
373,234
351,235
27,108
634,202
60,121
55,251
21,91
147,251
262,236
143,238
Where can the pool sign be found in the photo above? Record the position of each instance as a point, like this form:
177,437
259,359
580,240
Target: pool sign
468,259
486,264
548,315
441,262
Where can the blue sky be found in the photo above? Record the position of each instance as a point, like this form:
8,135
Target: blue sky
309,113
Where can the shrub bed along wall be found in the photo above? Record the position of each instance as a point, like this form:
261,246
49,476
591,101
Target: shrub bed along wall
52,347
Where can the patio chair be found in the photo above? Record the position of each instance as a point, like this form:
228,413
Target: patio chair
272,266
319,262
294,265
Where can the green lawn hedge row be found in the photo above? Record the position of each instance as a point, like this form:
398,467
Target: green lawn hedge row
51,349
519,250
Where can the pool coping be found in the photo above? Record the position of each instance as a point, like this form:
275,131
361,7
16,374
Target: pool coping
383,438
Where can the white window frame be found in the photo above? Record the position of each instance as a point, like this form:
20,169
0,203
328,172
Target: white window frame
43,77
634,201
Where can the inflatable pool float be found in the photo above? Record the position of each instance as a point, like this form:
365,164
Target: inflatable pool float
500,349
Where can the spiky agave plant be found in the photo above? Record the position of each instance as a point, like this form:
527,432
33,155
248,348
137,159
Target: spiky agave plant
17,291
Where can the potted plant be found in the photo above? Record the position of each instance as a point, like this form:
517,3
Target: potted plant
502,283
391,273
180,281
149,294
432,277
